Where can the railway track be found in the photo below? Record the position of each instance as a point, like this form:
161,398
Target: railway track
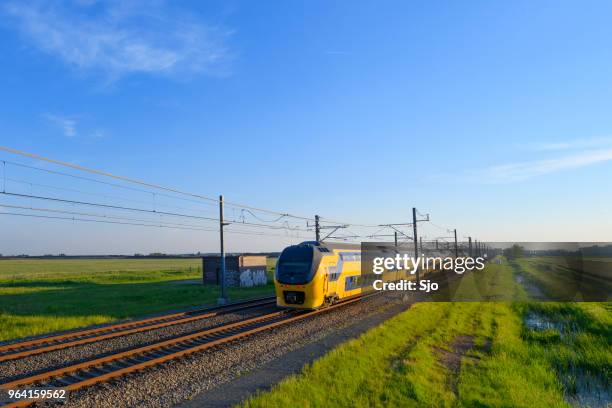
87,373
13,351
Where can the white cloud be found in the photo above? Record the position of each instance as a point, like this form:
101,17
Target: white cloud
118,38
572,144
67,125
579,153
526,170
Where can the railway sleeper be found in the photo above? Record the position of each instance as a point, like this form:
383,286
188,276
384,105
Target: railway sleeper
75,377
165,351
181,347
132,360
123,363
156,354
61,382
98,370
110,367
90,373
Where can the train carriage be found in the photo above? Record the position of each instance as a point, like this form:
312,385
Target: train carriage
314,274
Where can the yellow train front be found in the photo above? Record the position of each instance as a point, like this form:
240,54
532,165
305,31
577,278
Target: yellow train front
314,274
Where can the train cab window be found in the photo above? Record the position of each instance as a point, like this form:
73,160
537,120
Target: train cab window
295,265
350,256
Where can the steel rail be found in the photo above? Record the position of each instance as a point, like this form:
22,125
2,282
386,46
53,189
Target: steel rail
28,348
103,369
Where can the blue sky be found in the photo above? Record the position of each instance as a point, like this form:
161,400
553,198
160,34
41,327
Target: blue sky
494,117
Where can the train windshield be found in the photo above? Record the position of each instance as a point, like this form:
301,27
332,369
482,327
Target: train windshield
295,265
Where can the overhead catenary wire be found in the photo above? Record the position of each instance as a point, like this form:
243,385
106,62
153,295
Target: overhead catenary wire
157,223
102,173
156,191
142,183
262,220
84,214
232,231
330,221
208,200
106,196
154,194
117,207
75,176
100,221
441,228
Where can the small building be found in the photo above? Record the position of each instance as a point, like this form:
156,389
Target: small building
240,270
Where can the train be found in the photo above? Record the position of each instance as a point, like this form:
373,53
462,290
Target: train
313,274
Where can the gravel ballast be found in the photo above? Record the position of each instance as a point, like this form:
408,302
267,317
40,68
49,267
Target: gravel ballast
179,381
10,370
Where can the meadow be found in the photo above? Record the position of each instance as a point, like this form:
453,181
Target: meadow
567,278
472,354
44,295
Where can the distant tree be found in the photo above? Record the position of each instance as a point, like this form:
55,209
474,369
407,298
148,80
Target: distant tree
514,252
597,250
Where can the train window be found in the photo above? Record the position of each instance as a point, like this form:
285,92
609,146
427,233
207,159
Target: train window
352,282
350,256
333,273
295,265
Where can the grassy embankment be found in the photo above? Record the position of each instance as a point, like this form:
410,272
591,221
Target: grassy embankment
466,354
40,296
563,277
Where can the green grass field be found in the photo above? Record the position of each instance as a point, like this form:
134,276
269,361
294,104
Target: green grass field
559,277
40,296
472,354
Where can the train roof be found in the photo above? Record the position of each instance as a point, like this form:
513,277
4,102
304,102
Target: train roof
332,245
382,246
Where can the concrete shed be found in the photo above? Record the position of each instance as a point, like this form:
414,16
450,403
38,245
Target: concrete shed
240,270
